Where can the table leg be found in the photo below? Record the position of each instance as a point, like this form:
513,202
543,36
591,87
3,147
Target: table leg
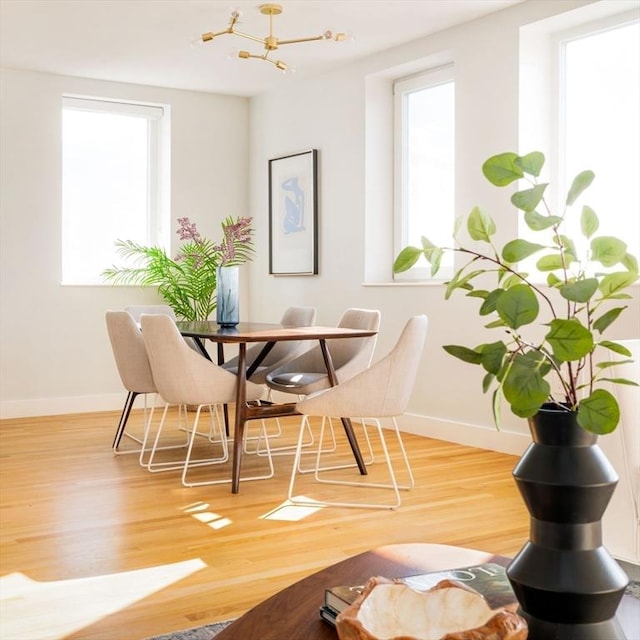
346,422
241,416
225,407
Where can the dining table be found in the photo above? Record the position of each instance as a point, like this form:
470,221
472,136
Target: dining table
254,332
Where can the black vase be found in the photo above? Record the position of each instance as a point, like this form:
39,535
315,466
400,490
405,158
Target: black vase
567,585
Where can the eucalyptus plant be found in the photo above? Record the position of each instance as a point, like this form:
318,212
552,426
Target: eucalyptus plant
187,282
582,299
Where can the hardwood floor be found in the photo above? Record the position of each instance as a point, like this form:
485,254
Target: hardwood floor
73,511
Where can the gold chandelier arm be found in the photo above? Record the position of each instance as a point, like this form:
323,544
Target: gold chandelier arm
248,36
297,40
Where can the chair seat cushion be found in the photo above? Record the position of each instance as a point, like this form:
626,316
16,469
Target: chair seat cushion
295,380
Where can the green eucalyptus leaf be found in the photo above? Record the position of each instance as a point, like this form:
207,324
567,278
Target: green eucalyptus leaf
517,250
626,381
502,169
580,290
531,163
550,262
569,339
569,248
528,199
537,222
615,347
589,222
579,184
613,283
495,324
435,259
553,280
612,363
463,353
608,250
487,381
492,356
524,387
480,226
406,259
478,293
495,406
518,306
630,262
599,413
513,280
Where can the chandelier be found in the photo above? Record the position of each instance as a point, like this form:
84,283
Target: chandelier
270,43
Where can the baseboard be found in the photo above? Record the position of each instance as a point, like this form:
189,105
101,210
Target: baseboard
58,406
472,435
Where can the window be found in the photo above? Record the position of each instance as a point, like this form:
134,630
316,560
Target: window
112,187
424,111
599,116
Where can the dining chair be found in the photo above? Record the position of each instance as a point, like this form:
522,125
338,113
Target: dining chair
135,373
307,372
380,392
183,377
281,352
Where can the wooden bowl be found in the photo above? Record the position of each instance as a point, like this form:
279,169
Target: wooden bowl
390,610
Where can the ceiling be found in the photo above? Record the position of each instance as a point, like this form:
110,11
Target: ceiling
149,41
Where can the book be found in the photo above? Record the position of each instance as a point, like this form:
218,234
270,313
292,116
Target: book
489,579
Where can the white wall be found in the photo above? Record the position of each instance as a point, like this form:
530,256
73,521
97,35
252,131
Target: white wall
331,113
55,353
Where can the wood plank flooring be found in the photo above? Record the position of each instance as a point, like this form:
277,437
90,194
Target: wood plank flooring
72,511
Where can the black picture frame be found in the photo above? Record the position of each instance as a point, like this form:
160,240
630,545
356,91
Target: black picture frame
293,214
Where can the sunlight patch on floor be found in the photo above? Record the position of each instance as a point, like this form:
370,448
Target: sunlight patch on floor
32,610
293,512
198,510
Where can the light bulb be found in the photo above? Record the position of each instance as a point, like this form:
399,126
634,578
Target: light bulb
197,41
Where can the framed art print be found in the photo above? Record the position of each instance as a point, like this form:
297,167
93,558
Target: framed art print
293,214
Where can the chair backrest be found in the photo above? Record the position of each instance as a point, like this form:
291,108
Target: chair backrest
282,351
136,310
349,355
382,390
129,352
182,376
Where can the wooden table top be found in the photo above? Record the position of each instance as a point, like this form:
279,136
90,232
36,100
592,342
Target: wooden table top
264,332
293,613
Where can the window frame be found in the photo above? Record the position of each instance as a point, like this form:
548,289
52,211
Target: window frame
157,216
425,79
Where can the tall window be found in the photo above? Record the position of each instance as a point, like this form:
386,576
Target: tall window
112,185
424,107
599,110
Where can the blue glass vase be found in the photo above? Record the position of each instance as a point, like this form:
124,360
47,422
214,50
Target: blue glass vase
227,292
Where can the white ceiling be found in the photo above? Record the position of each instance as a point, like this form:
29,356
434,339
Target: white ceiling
149,41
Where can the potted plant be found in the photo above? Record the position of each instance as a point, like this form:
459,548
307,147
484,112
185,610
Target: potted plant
189,281
562,578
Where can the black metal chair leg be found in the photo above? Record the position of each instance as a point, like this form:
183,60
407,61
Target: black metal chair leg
124,416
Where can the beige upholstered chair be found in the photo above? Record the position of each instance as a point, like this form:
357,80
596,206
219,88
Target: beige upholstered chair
281,352
135,373
133,367
621,520
183,377
307,373
380,392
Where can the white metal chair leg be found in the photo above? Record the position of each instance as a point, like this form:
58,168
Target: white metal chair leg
153,448
263,435
392,485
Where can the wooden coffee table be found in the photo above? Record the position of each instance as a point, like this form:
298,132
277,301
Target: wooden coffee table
293,613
